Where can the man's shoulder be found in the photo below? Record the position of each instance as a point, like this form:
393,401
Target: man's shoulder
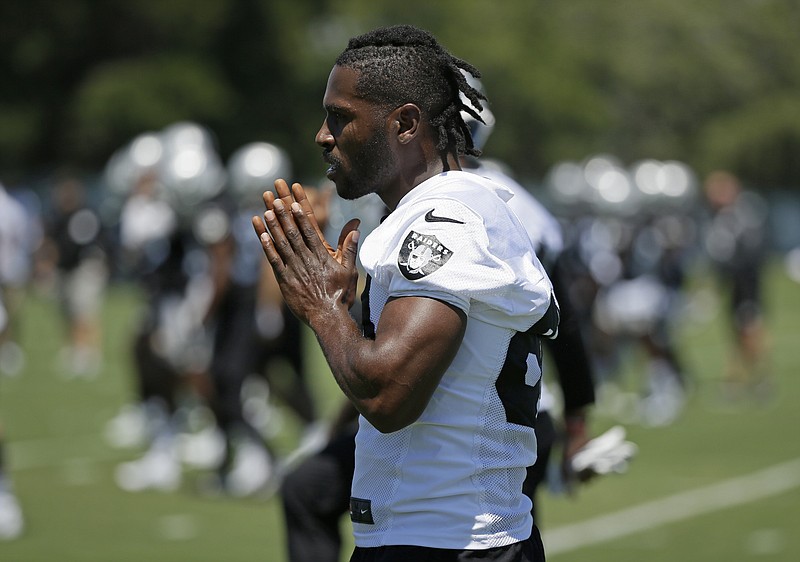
462,188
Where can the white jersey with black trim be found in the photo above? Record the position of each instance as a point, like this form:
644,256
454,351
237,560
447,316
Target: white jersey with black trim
453,478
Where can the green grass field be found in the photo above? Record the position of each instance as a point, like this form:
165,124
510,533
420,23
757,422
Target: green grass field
698,486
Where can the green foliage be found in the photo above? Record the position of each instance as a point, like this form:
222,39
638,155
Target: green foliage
670,79
107,111
761,139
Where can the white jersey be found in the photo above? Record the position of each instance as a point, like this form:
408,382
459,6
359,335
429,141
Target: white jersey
16,244
453,478
145,218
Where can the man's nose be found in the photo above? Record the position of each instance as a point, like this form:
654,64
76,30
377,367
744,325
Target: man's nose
324,137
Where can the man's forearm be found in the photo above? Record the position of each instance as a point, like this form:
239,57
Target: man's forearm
389,388
341,342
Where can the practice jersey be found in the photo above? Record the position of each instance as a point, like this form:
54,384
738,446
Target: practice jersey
453,478
16,246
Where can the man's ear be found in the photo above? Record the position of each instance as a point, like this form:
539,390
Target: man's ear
407,118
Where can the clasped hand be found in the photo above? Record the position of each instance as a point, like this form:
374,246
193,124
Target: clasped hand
312,275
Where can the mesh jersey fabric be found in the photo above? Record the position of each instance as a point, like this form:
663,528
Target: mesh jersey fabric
453,478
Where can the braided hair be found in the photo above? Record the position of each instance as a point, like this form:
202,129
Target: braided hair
404,64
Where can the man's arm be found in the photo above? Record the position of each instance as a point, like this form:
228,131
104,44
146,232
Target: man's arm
390,379
574,370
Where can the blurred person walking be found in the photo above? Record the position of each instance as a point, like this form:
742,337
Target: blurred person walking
76,247
626,257
15,268
17,244
257,343
215,328
736,244
169,350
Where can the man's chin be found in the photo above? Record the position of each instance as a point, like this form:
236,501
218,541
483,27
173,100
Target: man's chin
345,194
342,187
349,190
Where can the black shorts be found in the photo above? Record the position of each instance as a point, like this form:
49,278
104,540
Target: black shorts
746,297
529,550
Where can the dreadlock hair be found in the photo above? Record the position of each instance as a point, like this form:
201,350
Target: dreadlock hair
404,64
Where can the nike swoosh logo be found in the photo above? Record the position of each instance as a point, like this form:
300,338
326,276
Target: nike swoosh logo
430,217
363,511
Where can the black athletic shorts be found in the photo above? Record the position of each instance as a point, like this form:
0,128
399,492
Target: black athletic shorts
530,550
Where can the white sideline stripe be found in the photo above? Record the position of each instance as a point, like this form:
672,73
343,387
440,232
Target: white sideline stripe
736,491
40,453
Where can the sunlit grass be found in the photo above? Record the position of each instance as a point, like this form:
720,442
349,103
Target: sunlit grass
63,468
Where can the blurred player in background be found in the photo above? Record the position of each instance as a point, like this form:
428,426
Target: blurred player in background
217,342
631,234
164,180
15,268
736,243
255,337
18,241
169,348
75,243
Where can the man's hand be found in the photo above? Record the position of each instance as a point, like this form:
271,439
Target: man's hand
576,437
312,203
389,379
313,277
607,453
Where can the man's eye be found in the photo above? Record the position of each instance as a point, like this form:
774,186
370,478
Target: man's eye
336,121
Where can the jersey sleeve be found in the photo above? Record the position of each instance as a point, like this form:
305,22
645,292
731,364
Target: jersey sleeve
480,262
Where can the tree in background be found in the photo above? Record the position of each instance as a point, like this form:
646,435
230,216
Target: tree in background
672,79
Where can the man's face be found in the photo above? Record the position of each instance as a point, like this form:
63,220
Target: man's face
354,138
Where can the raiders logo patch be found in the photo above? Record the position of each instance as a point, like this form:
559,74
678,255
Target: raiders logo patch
421,255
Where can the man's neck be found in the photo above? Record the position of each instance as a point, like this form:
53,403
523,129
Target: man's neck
419,175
